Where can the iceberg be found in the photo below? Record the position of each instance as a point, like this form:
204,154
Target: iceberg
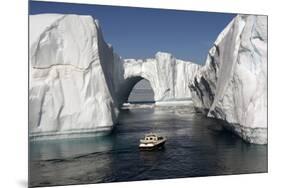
70,85
169,77
232,85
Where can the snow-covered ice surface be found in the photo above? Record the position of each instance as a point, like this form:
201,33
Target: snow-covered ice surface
77,83
232,86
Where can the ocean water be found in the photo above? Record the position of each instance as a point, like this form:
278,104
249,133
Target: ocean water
196,146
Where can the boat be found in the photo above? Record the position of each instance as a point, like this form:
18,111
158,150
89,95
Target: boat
152,141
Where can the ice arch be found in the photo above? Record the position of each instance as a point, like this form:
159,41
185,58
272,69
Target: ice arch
128,86
168,77
142,92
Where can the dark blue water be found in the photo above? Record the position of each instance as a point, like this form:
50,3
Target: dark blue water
196,146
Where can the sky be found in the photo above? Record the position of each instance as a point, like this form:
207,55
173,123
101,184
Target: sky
141,32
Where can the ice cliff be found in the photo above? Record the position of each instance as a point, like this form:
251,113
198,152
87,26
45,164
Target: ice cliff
232,85
70,88
77,83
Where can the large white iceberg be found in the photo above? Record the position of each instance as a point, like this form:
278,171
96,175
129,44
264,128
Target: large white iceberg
77,83
70,89
232,86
